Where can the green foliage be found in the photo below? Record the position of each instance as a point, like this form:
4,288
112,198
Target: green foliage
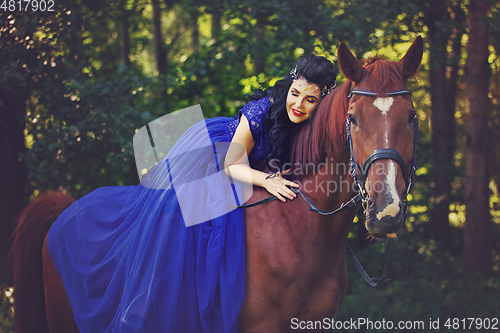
426,283
6,310
91,124
85,108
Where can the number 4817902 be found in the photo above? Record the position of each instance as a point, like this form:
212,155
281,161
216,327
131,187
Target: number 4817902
27,5
472,323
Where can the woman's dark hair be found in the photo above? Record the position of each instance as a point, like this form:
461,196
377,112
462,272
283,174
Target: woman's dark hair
314,69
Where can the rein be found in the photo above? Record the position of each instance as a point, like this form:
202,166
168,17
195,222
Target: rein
360,173
345,206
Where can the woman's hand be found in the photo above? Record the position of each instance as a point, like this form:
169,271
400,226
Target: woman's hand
237,166
277,186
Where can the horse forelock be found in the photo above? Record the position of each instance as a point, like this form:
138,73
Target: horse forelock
325,134
382,76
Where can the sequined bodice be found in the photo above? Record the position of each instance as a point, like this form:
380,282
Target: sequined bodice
256,114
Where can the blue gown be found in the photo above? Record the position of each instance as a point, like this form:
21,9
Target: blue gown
128,261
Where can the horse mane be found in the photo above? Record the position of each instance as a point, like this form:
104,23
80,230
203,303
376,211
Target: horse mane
325,133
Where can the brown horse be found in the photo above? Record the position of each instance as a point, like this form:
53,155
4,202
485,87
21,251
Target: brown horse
296,269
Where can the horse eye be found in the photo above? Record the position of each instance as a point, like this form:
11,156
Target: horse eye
353,120
412,117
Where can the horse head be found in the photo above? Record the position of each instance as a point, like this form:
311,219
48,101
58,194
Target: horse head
382,133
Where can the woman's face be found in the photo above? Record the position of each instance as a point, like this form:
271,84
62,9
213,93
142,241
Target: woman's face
301,100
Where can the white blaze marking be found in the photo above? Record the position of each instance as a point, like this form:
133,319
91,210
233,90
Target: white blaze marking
391,209
383,104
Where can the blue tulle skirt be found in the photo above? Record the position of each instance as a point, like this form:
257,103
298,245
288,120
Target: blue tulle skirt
132,262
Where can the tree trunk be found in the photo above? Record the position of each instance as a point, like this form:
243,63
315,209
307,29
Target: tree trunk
195,33
260,55
477,246
161,54
443,93
216,32
125,38
216,23
13,175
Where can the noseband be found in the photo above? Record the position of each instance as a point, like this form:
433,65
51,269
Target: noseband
360,173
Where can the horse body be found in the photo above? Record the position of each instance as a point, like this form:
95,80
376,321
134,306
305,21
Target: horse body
296,267
295,260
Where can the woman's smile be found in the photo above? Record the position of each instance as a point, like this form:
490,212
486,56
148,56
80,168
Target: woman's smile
297,112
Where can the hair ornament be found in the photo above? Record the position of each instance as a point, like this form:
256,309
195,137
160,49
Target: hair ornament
293,73
326,90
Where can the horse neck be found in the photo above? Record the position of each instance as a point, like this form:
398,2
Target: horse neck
328,188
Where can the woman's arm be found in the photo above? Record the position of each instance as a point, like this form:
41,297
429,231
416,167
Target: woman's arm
236,165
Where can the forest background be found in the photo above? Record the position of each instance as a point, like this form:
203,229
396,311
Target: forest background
76,83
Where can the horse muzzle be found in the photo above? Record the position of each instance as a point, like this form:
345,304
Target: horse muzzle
385,220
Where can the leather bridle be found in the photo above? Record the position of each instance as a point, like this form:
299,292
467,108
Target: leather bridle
360,173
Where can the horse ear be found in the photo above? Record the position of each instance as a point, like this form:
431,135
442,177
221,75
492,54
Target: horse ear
348,64
410,63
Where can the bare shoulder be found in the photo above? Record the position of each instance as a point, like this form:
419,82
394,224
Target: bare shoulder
243,135
241,144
